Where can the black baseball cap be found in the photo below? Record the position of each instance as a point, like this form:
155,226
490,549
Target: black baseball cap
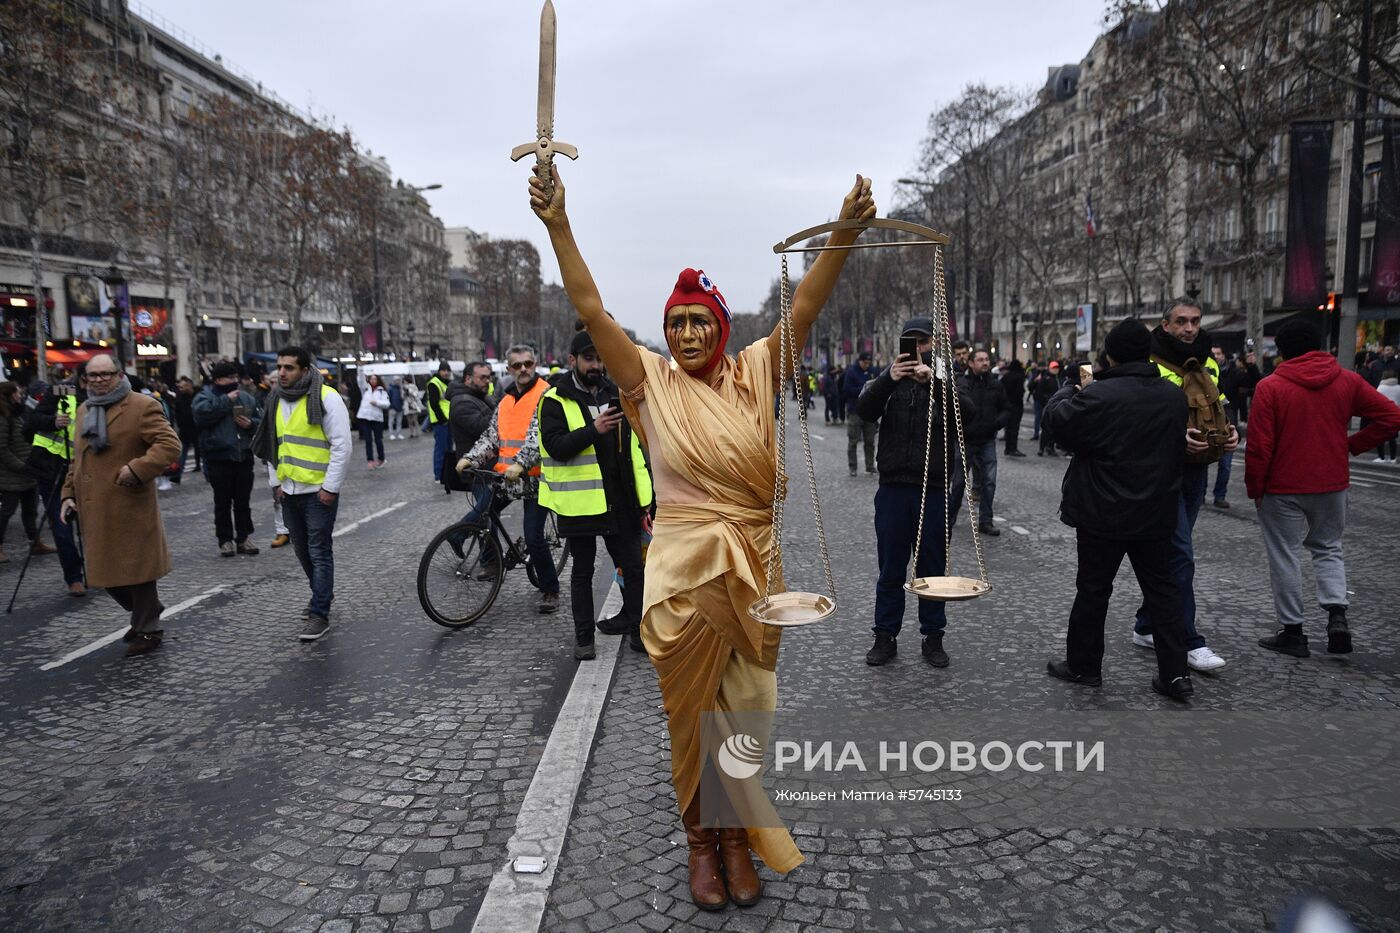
918,325
581,342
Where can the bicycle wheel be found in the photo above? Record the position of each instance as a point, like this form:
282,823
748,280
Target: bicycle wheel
449,586
558,550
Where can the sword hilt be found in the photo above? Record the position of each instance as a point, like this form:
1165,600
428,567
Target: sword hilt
544,149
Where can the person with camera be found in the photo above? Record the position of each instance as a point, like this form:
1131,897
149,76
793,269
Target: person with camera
1121,494
595,479
227,418
1181,350
123,443
55,434
899,400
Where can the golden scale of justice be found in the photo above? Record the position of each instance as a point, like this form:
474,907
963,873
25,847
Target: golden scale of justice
792,607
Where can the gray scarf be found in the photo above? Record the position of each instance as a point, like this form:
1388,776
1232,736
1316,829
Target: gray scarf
307,387
95,421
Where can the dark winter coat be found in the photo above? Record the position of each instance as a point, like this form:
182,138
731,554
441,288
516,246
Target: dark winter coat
1013,383
853,382
15,450
902,408
469,412
619,486
1043,385
988,400
219,437
45,466
1126,431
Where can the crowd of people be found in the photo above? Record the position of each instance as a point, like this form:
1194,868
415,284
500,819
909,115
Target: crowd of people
622,444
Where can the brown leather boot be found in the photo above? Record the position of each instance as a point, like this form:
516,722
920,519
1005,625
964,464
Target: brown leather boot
706,885
739,876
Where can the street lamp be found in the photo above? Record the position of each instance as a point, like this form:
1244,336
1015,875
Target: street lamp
114,280
1192,268
1015,317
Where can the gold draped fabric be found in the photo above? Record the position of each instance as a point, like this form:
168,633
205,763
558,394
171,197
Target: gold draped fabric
707,561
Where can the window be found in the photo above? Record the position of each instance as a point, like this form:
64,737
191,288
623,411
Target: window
1227,281
207,339
1271,215
1230,224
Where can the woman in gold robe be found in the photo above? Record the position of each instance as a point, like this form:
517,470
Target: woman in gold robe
707,421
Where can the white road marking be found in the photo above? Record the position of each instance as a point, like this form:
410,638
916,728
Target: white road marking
515,902
999,520
368,518
1357,482
818,437
1019,530
106,640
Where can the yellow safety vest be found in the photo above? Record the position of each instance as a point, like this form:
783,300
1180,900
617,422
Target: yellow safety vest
442,398
303,451
575,487
56,443
1210,366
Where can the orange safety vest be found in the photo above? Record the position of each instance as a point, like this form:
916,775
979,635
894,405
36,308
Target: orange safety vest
513,424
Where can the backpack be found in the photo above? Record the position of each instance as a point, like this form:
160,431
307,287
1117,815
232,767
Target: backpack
1204,412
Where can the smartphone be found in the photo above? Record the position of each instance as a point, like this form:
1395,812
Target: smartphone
1086,375
239,411
615,403
909,346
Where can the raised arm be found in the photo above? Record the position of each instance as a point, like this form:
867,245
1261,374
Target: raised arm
617,351
816,286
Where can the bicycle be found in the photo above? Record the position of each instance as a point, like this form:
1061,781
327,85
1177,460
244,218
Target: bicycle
461,571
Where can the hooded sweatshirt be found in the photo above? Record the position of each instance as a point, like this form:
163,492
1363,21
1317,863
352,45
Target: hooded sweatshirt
1298,439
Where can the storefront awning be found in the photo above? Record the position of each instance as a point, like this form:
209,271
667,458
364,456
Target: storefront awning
69,356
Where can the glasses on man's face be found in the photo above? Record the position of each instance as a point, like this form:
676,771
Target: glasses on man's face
523,364
107,375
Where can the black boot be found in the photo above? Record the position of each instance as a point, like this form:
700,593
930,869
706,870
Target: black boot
883,650
1338,635
1289,640
933,650
1180,689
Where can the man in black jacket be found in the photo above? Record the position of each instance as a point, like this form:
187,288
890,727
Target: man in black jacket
899,399
1120,494
469,408
1013,384
585,442
988,400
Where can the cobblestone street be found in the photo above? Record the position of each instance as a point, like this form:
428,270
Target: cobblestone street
238,779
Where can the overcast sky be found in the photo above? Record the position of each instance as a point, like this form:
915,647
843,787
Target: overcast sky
707,131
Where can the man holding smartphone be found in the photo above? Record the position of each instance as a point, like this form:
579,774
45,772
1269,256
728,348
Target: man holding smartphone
227,419
594,477
899,399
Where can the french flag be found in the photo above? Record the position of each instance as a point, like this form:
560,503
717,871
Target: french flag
1091,221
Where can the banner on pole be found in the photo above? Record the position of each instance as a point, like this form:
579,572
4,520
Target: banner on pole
1084,328
1309,174
1385,248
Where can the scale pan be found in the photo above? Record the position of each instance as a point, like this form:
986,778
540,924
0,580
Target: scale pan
788,609
947,589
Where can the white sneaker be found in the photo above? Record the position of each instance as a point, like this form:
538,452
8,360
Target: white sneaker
163,484
1203,659
1142,641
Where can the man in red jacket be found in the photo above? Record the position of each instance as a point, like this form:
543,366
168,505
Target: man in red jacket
1296,472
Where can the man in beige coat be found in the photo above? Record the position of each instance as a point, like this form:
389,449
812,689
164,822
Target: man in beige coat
123,443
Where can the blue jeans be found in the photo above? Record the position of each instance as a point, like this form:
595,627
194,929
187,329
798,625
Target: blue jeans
1039,410
535,544
68,557
310,524
982,458
1183,564
1222,475
896,523
442,443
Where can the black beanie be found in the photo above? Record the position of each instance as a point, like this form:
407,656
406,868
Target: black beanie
223,369
1128,342
1296,337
